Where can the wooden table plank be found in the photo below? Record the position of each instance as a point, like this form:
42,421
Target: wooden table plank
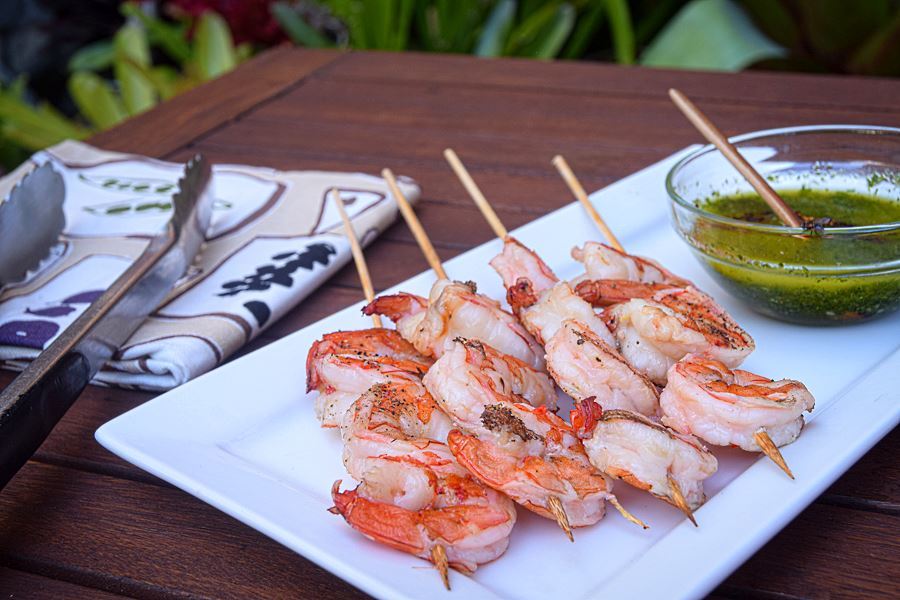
21,584
187,116
832,564
145,540
148,540
771,89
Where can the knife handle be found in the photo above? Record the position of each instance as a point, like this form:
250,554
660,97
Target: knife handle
27,419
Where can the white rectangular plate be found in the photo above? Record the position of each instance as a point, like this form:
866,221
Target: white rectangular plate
244,439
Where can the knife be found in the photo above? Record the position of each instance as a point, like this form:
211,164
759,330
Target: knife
37,399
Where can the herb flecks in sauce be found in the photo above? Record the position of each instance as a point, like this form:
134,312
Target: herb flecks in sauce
843,209
817,278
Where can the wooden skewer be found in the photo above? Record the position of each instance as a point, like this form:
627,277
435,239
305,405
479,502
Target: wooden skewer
463,174
438,552
678,499
578,191
357,252
412,221
615,502
439,557
714,136
554,505
769,448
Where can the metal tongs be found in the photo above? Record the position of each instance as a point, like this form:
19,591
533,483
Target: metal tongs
37,399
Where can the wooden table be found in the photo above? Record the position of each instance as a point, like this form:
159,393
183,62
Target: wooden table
79,522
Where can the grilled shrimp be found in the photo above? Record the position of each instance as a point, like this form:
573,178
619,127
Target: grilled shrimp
724,407
654,334
528,453
604,262
643,453
343,365
540,300
455,309
580,350
413,495
584,366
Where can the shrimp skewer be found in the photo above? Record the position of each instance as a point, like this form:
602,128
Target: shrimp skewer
611,262
413,495
657,317
656,331
645,454
528,453
452,308
580,350
343,365
605,263
585,366
728,407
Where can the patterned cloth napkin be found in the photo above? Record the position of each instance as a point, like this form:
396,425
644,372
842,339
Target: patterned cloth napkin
275,236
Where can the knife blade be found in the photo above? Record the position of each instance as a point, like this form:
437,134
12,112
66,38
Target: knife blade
34,206
37,399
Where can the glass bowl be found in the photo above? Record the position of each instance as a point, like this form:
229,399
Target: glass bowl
832,276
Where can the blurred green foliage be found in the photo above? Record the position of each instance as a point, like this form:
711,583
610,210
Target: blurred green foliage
151,59
136,84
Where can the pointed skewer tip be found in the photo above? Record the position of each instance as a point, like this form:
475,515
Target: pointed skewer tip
680,502
555,506
439,557
768,447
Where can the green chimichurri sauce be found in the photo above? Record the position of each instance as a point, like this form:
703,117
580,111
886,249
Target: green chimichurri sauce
843,209
817,278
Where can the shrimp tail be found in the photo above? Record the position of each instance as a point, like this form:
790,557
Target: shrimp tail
396,306
521,295
606,292
378,521
312,374
585,416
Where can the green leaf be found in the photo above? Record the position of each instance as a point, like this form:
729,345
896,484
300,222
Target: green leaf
622,31
774,19
43,121
351,13
96,100
585,28
449,25
530,28
93,57
880,55
496,29
551,39
138,91
132,59
172,38
243,52
834,28
300,32
213,47
131,42
710,34
18,86
400,30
